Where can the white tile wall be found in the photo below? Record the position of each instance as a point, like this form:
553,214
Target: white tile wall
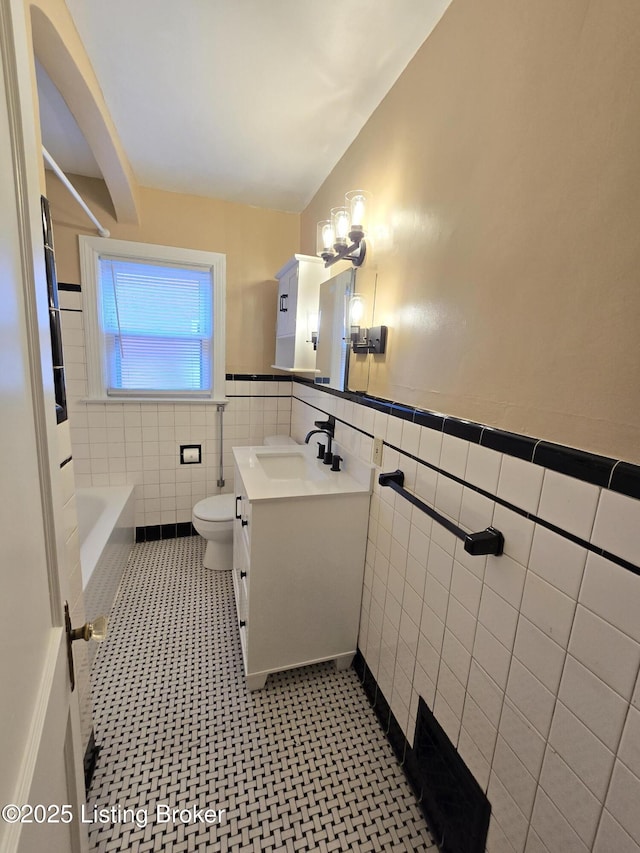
139,443
529,660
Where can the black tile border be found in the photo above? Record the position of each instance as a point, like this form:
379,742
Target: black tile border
520,446
616,475
625,479
257,377
156,532
467,430
429,419
583,463
576,463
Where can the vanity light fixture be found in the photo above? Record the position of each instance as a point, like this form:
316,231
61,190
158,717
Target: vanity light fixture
342,236
364,340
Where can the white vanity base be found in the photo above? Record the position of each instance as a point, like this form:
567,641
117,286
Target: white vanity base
344,662
256,682
298,564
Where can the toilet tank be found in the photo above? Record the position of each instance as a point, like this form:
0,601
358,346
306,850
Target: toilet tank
278,440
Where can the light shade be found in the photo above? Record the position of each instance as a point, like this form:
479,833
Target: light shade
340,220
324,238
356,310
358,203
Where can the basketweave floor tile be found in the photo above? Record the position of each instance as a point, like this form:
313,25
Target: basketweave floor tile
301,765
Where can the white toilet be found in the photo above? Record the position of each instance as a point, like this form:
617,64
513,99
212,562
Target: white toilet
213,519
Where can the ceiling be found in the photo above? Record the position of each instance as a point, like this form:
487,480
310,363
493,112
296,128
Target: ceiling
253,101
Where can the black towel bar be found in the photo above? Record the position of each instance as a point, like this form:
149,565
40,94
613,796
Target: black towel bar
489,541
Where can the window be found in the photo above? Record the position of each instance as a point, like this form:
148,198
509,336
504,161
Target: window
154,320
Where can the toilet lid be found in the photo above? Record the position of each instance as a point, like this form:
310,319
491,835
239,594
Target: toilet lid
215,508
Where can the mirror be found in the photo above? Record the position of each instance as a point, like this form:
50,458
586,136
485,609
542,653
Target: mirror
359,364
336,364
332,353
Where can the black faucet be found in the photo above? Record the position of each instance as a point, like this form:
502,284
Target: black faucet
326,428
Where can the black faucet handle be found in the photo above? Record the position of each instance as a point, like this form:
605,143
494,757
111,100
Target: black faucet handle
320,450
335,464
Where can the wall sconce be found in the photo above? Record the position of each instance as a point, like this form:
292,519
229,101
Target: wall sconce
342,236
364,340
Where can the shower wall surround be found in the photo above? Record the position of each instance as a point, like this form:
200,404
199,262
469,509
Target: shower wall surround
529,660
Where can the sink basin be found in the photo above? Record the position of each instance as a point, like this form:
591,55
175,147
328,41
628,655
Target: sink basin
281,472
290,466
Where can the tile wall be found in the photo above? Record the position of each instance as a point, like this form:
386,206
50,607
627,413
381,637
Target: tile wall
529,660
139,443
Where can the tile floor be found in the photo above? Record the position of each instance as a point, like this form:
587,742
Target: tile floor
302,765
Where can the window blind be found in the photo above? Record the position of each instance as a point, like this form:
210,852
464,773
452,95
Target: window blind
157,322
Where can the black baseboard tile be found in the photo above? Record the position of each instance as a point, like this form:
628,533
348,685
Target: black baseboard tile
365,675
359,665
185,528
152,533
382,709
155,532
90,760
370,685
411,758
396,738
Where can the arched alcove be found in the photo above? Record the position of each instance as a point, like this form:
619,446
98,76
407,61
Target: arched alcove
58,48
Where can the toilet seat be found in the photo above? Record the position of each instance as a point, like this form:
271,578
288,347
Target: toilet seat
215,508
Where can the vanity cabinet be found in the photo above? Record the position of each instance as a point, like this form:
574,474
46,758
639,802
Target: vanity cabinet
298,295
298,566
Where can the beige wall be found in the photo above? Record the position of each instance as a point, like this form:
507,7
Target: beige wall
257,243
506,173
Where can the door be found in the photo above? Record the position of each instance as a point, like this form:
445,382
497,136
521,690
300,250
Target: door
40,766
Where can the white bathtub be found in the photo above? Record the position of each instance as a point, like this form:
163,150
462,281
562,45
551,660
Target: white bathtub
107,534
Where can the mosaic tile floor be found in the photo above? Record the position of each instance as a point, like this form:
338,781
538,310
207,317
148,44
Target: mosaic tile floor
302,765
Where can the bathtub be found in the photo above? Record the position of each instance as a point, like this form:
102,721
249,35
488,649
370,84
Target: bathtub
106,529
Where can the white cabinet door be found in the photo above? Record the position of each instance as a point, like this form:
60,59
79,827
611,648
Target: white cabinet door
287,303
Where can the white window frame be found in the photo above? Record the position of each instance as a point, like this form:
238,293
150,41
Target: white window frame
91,249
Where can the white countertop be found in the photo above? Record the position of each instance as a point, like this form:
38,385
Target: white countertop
355,477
